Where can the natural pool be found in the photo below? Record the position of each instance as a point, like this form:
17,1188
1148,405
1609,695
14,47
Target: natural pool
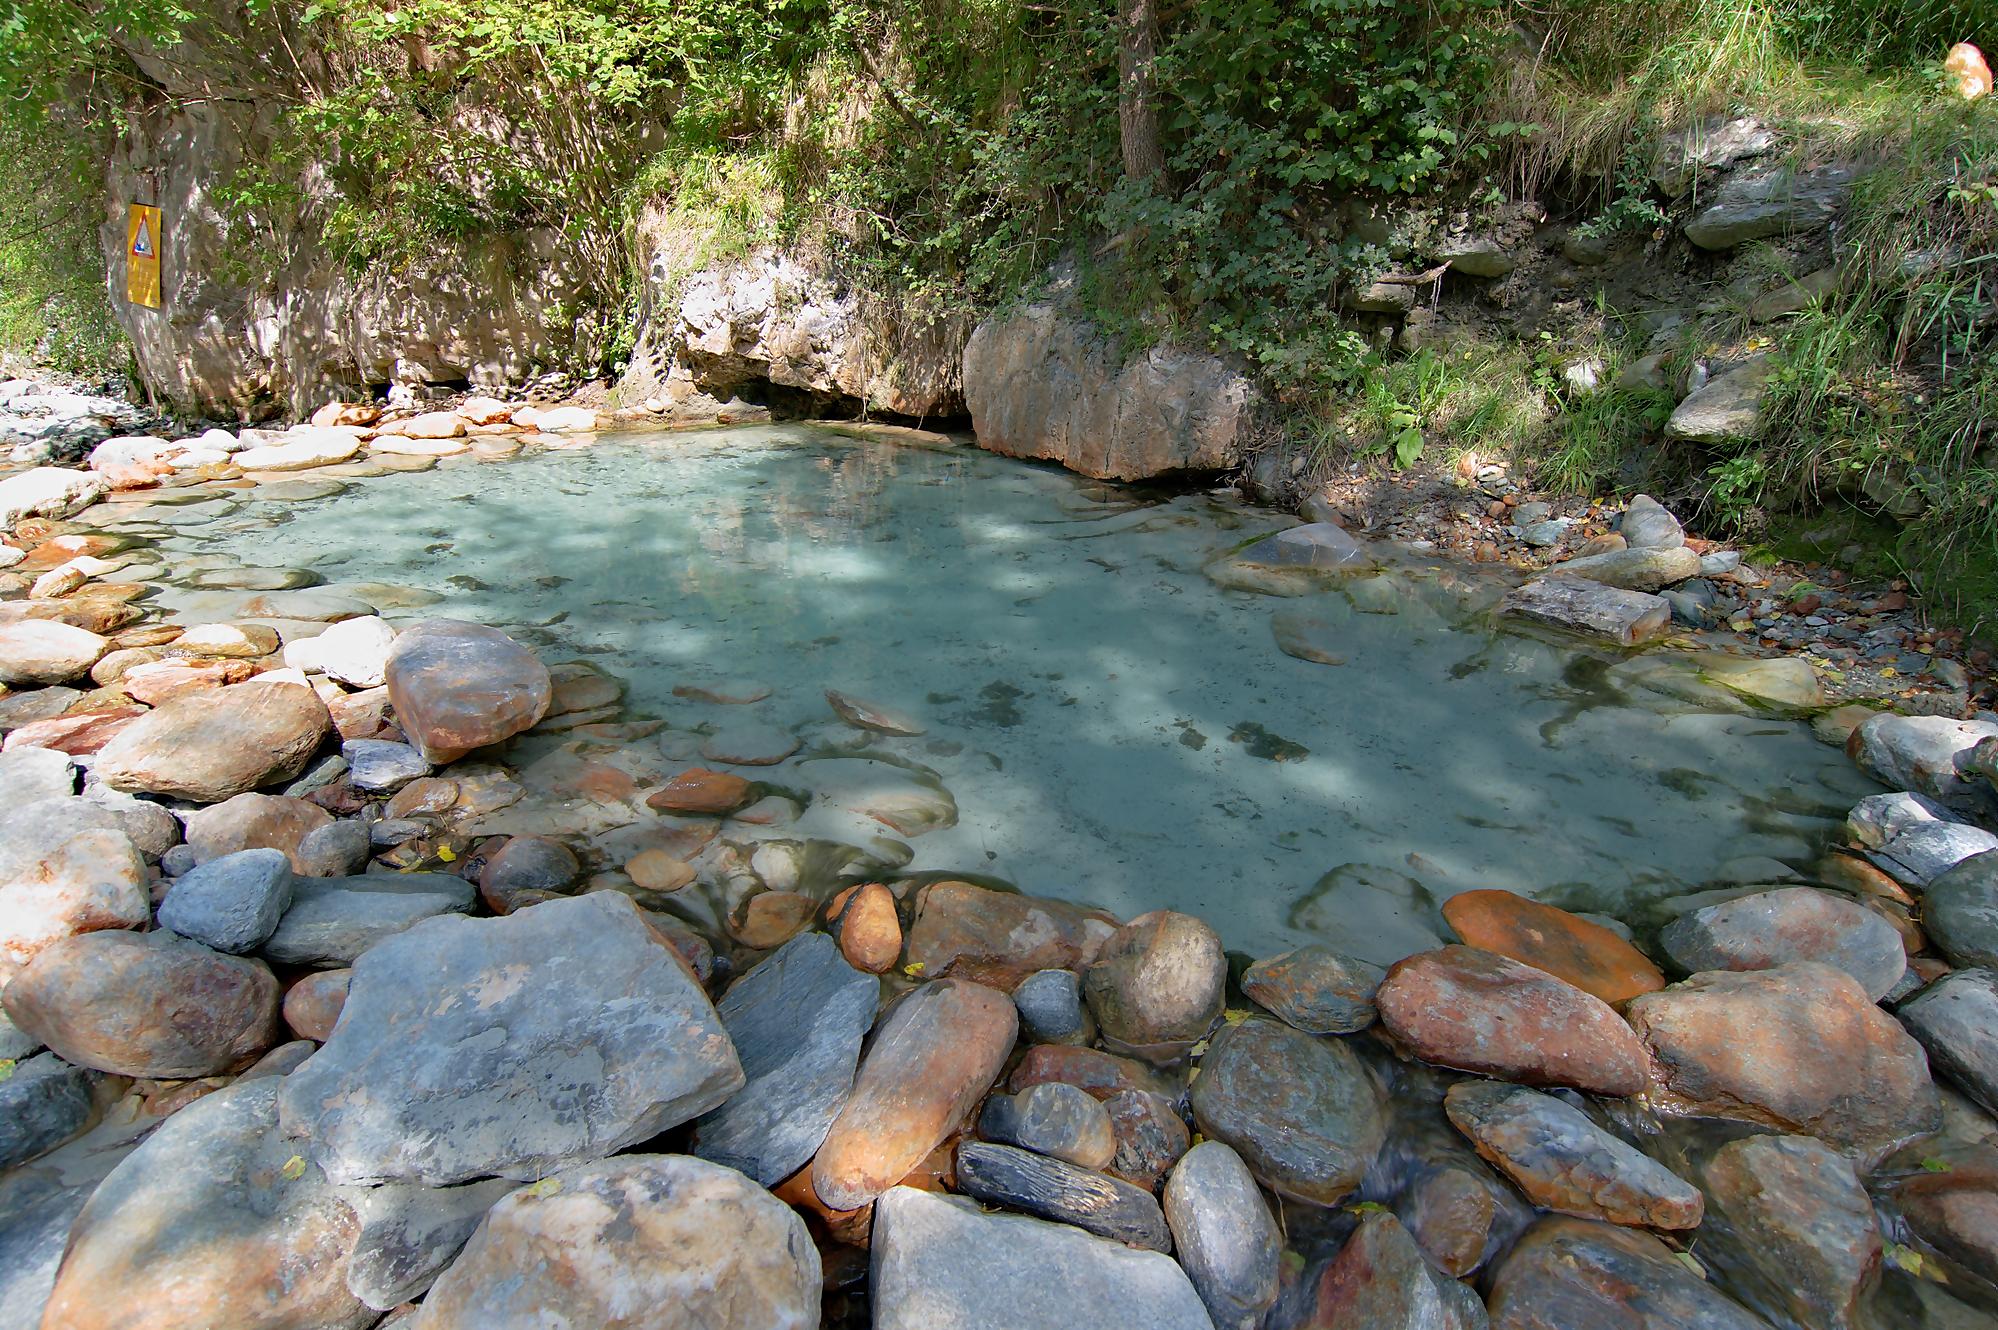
1114,725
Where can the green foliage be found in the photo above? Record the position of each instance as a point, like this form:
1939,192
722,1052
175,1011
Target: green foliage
53,307
1631,207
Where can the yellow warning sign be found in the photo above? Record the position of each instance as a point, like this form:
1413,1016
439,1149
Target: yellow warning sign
142,255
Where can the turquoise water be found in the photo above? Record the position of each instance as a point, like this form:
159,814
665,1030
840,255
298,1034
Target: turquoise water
1114,725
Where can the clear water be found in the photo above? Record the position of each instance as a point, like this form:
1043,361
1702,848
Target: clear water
1115,726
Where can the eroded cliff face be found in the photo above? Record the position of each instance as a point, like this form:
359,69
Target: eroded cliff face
253,325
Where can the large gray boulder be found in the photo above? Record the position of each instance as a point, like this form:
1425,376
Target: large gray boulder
1925,754
938,1261
1956,1020
511,1047
797,1021
1042,383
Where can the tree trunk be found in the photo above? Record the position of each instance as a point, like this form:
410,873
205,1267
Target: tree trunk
1137,96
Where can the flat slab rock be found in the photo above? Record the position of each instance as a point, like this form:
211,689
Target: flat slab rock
797,1021
938,1261
1627,618
1058,1190
511,1047
1570,948
332,921
1564,1162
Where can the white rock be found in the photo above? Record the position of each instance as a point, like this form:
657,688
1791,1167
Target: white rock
485,410
564,420
48,491
312,446
354,651
130,449
42,651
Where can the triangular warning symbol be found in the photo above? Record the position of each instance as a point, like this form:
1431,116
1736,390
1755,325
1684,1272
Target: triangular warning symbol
143,242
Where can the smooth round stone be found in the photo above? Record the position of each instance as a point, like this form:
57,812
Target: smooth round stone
1563,1162
212,745
232,903
1061,1121
1000,937
528,864
1051,1009
868,927
1566,1273
1960,911
66,867
1300,1110
1449,1212
1158,985
1791,1229
354,651
1224,1235
1772,928
1102,1074
656,870
312,1005
1316,990
1571,948
336,849
145,1004
40,651
750,744
699,790
253,822
771,918
28,775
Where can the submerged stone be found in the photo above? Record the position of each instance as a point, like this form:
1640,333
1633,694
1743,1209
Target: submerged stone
1568,1273
1584,954
1315,989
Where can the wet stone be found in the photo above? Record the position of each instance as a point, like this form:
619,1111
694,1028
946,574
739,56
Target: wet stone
1224,1235
231,904
1960,911
1449,1212
868,928
1479,1011
1564,1162
1568,1273
380,767
334,920
699,790
1772,928
1316,990
1151,1136
1380,1279
460,686
1570,948
43,1102
769,919
1956,1020
1051,1009
749,744
527,867
999,937
871,716
1157,985
1300,1110
1791,1230
797,1021
656,870
1061,1121
1102,1074
1056,1190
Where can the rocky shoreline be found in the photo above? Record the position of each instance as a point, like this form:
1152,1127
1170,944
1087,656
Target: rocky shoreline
317,1012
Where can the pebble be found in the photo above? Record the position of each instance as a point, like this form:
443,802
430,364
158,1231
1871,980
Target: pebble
1061,1121
525,869
253,822
457,687
212,745
1051,1008
699,790
312,1005
1379,1278
868,928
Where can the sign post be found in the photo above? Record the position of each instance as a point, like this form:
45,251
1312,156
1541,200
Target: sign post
142,255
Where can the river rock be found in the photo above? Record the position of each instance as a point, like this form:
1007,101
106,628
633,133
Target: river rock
460,686
701,791
1960,911
1316,990
1921,854
1880,818
1051,1009
643,1242
1771,928
1956,1020
332,921
1728,409
938,1261
1449,1211
1627,618
1301,1111
1479,1011
1000,937
302,449
1224,1234
42,651
333,850
1792,1230
1062,1121
1102,1074
1042,383
354,651
750,744
65,869
524,870
48,491
312,1005
1636,569
867,715
869,929
1570,948
1564,1162
797,1021
1647,524
30,775
210,746
145,1004
931,1060
381,767
1158,985
1759,204
409,1234
1380,1280
510,1047
1922,753
253,822
211,1223
231,904
1800,1047
1315,547
1057,1190
43,1102
1151,1136
1565,1274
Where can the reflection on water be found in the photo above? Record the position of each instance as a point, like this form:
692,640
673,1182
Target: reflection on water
1115,726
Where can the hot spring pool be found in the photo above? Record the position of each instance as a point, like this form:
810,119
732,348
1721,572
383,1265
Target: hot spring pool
1114,725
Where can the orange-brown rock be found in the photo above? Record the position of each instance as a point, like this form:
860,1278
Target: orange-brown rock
162,681
1587,955
1102,1074
769,919
78,735
312,1005
424,795
209,746
461,686
359,715
1480,1011
932,1059
1799,1047
254,822
869,931
1001,937
699,790
656,870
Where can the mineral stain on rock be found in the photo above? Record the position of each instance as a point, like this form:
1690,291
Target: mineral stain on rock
1262,743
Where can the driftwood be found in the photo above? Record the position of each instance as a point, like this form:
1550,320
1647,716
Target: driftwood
1023,1180
1577,604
